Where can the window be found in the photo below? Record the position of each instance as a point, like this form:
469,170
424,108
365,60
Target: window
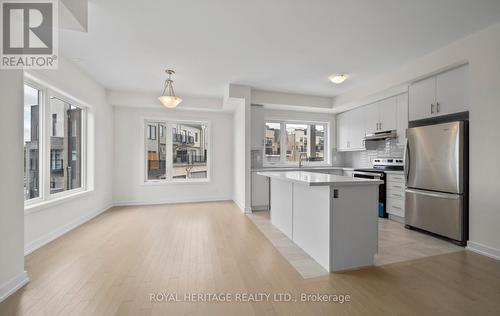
186,142
59,155
296,141
302,140
66,144
151,131
272,142
189,156
156,153
32,98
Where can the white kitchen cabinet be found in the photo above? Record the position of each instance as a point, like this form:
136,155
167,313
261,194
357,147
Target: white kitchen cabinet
260,192
388,114
342,132
395,195
258,127
381,115
402,117
451,91
356,129
445,93
371,118
422,99
350,130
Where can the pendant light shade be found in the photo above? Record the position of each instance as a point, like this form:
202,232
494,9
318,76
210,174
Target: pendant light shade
168,98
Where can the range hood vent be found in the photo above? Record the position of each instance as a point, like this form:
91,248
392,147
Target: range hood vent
381,135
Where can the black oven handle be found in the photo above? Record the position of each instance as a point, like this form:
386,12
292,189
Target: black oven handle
371,174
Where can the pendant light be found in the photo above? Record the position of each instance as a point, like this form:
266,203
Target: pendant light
169,99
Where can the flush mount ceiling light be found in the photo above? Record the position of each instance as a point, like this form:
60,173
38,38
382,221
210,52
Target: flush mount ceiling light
338,78
169,99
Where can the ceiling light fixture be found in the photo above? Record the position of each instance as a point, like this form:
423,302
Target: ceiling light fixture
169,100
338,78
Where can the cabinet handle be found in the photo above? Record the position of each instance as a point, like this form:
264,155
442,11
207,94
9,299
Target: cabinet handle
432,108
381,125
398,208
398,195
437,107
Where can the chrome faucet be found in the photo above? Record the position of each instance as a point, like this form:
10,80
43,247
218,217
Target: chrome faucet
300,159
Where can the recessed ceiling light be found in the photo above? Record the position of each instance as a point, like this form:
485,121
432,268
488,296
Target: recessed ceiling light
338,78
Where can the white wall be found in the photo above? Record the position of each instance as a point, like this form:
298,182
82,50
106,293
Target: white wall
129,187
45,224
237,99
11,191
239,154
482,51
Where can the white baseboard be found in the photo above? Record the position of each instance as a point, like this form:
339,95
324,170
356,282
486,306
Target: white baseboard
239,205
11,286
483,250
396,218
42,241
170,201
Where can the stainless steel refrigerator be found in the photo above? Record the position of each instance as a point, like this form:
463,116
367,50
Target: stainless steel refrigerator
435,170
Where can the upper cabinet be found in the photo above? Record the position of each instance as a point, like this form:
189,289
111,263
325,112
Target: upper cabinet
452,91
388,113
445,93
384,115
402,117
381,116
258,126
350,130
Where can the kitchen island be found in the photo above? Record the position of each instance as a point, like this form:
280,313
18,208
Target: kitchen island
332,218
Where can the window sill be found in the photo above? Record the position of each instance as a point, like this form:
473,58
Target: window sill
170,182
33,208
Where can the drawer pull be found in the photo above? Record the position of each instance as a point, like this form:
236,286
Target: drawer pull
398,195
398,208
397,186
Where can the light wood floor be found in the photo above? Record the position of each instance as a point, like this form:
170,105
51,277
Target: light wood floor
111,265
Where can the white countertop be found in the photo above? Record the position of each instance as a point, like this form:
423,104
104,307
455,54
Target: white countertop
304,168
317,179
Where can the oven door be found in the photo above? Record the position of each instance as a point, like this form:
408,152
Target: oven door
381,189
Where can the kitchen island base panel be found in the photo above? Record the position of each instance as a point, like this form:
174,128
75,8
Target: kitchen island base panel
354,228
337,225
311,222
281,206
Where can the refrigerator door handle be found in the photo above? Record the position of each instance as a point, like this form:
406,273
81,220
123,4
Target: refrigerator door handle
435,194
407,160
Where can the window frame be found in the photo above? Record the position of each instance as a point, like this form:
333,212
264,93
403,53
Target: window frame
45,131
284,143
169,128
41,135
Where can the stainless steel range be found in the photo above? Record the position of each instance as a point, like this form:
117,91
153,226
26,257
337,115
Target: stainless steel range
380,165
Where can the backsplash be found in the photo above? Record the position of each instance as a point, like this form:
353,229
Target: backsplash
356,159
363,159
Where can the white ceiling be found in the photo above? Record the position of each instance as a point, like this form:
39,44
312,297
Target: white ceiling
278,45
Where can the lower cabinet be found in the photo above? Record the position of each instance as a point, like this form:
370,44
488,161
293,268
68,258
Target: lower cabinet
260,192
395,194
